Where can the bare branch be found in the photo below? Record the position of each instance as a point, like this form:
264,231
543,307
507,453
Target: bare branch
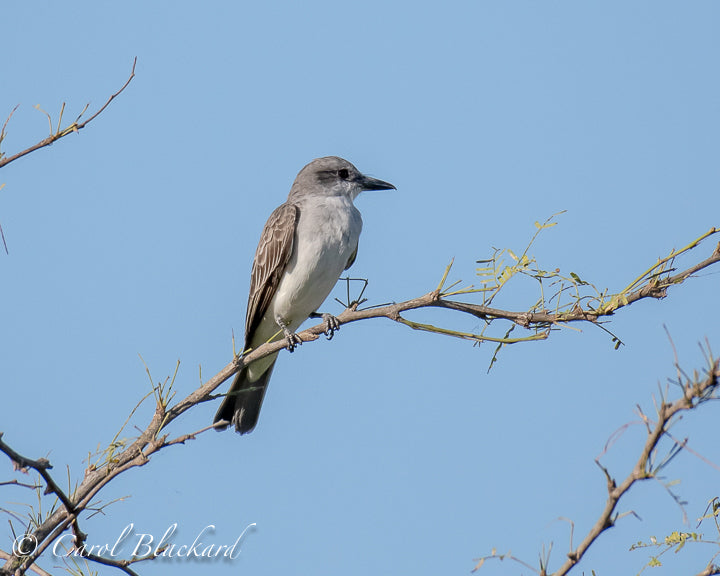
42,466
697,391
16,483
61,132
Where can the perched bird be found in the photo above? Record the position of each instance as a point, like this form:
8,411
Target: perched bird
305,246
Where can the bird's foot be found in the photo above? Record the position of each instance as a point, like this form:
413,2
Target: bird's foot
332,324
293,339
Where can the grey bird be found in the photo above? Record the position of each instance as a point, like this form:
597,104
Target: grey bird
306,244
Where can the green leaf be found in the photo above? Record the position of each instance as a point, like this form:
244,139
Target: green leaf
577,279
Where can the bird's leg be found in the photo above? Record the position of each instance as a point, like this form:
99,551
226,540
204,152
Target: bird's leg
331,323
292,338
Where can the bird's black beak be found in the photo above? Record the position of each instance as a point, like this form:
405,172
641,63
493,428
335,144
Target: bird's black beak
369,183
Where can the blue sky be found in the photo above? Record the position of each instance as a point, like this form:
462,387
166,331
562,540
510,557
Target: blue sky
385,450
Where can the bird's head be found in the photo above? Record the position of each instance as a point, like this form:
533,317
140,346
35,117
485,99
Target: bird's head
334,176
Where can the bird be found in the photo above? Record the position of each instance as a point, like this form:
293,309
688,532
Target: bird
306,244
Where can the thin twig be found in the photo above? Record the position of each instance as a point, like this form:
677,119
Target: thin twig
123,565
16,483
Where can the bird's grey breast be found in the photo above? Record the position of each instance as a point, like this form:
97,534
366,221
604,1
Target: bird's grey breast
330,226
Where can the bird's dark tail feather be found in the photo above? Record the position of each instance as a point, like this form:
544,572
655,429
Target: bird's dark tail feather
241,406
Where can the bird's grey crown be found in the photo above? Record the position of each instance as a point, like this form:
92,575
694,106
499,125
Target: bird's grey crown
323,176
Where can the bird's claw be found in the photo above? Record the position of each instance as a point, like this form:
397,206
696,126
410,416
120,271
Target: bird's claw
331,325
293,340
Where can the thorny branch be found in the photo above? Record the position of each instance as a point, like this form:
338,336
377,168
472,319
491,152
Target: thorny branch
41,466
695,390
123,456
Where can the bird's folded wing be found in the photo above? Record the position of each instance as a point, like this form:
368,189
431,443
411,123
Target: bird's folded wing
271,258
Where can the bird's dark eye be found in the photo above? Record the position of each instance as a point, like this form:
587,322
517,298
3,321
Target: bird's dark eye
344,174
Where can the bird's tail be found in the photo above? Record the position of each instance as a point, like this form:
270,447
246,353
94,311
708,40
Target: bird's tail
241,406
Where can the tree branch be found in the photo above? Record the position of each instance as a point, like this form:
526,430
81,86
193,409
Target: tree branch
42,466
694,393
150,440
61,132
33,567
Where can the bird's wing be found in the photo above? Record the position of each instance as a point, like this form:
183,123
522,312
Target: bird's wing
271,258
351,260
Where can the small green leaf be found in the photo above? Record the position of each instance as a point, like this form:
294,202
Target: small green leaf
577,279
